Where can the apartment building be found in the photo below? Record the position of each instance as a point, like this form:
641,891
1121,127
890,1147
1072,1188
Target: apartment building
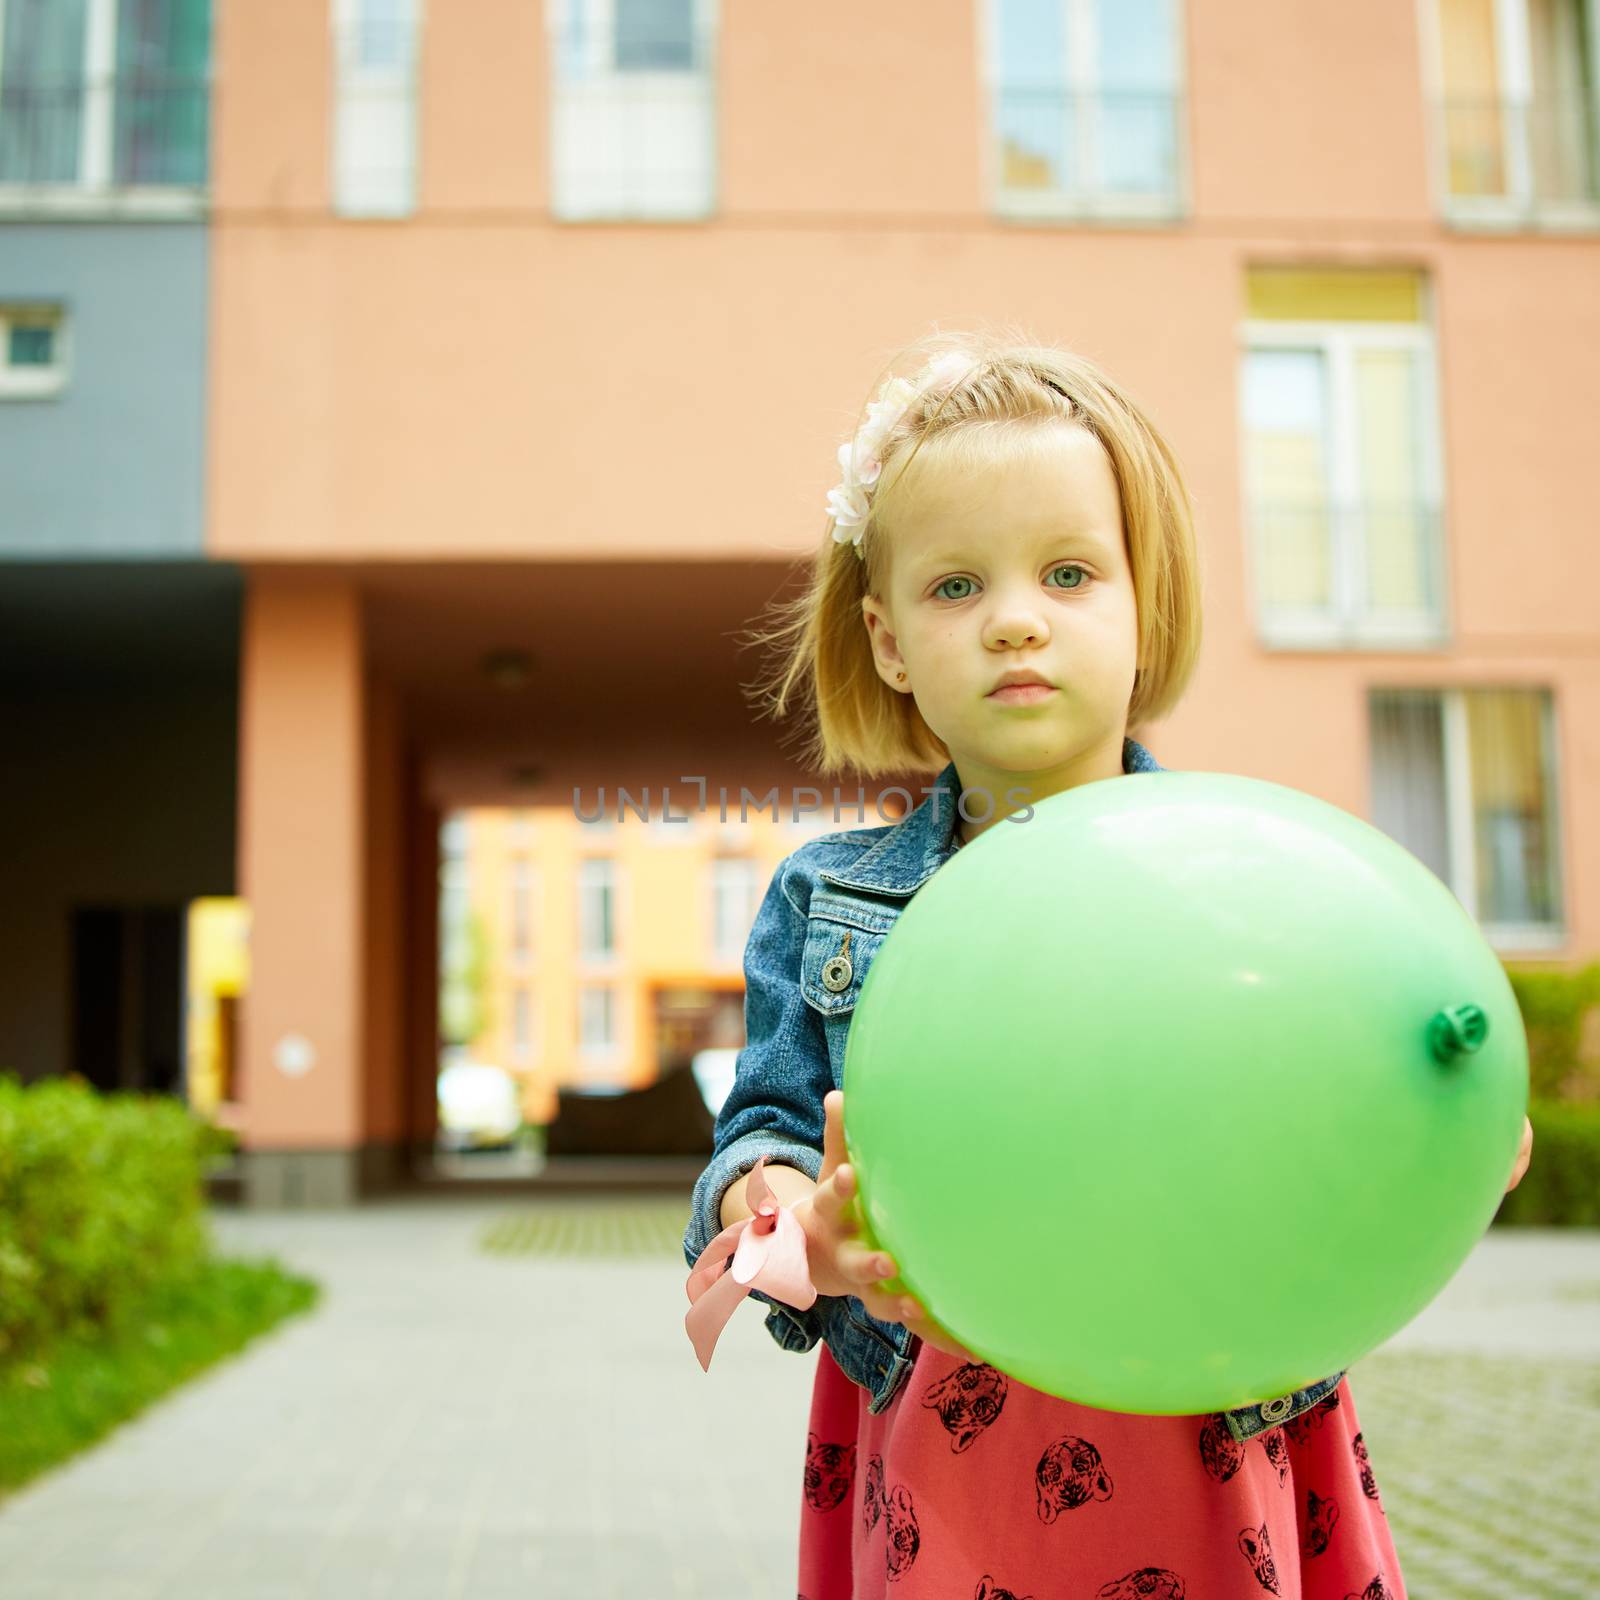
426,445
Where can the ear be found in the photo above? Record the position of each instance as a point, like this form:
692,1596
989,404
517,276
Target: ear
886,657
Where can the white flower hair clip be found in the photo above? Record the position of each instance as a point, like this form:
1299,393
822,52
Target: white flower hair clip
861,458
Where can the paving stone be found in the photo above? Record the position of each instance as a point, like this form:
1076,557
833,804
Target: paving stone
489,1404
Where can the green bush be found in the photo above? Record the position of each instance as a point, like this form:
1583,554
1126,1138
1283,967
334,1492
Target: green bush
1553,1006
101,1200
1562,1184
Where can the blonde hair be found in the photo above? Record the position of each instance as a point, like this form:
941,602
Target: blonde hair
824,653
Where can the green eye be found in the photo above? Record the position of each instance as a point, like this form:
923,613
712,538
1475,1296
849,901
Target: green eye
957,579
1071,567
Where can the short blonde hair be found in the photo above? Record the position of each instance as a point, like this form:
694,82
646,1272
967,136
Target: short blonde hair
824,652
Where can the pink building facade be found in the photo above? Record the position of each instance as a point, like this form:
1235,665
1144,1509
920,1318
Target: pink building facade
534,329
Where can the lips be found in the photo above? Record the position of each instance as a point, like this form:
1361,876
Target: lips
1021,693
1019,680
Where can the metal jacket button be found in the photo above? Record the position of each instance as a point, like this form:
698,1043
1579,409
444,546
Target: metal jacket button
836,970
1275,1410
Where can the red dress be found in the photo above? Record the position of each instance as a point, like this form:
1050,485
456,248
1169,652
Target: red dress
971,1484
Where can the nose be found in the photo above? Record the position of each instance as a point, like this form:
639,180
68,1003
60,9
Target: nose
1015,620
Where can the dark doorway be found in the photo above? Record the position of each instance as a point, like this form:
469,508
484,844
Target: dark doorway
127,997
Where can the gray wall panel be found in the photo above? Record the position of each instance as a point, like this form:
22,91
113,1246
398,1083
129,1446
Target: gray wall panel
114,464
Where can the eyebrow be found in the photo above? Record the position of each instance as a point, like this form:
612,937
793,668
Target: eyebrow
1061,538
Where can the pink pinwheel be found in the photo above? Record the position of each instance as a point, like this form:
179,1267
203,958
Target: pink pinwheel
768,1252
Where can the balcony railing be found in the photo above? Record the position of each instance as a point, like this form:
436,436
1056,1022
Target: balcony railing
634,145
1349,571
143,130
1520,155
1061,149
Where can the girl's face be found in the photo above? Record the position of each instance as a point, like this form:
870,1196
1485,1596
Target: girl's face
1016,566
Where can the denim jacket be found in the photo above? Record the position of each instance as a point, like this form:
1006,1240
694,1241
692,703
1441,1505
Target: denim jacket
858,880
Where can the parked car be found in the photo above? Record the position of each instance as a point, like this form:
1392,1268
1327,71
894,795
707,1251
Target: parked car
480,1106
714,1072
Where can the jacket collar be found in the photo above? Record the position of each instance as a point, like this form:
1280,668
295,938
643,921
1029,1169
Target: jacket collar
923,840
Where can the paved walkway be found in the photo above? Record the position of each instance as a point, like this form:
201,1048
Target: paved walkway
456,1421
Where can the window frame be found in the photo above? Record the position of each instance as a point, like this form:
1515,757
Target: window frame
600,77
731,955
28,382
522,914
1346,627
1519,209
95,192
592,960
522,1033
614,1053
1078,205
1460,815
354,82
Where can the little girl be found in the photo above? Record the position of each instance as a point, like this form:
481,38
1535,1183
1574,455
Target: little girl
1009,586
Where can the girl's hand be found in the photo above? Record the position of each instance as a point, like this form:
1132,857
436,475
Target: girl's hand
1524,1155
840,1263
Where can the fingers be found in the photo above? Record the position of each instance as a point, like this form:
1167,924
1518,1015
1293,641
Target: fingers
1524,1152
834,1201
874,1281
863,1266
832,1134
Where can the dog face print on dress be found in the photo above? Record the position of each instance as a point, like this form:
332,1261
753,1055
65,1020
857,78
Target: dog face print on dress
872,1494
1220,1453
1321,1515
967,1400
904,1539
1256,1548
1376,1590
988,1589
1148,1583
830,1470
1277,1449
1299,1428
1369,1484
1070,1474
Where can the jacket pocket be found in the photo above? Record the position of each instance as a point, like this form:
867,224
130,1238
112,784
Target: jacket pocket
842,936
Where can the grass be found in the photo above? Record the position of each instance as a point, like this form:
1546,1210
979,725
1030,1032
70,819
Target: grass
74,1393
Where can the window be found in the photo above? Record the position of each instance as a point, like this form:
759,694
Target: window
375,110
1085,107
521,910
1517,131
1465,779
736,891
454,891
454,834
103,94
597,884
521,1026
1341,459
632,105
599,1032
33,362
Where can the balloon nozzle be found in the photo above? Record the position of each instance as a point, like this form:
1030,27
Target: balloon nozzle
1457,1031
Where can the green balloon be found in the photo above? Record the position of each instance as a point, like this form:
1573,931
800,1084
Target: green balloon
1182,1093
